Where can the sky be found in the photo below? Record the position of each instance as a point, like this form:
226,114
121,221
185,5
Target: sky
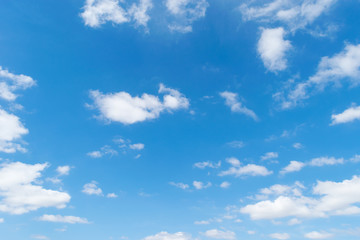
179,119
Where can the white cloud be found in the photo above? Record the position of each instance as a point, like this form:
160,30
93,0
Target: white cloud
2,220
269,155
11,130
236,144
62,219
95,154
298,146
344,66
349,115
179,185
322,161
169,236
20,195
202,222
184,13
40,237
294,221
218,234
122,107
10,83
105,150
111,195
330,198
63,170
318,235
92,189
137,146
238,170
206,164
294,166
281,236
200,185
225,184
355,158
294,13
272,49
98,12
231,100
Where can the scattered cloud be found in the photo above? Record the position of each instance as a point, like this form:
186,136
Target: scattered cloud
272,49
169,236
349,115
2,220
236,144
122,107
206,164
105,150
298,146
19,193
318,235
40,237
92,189
200,185
218,234
231,100
248,170
179,185
294,166
225,184
281,236
203,222
63,170
137,146
62,219
111,195
269,155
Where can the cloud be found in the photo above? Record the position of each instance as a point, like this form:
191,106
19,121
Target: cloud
184,13
111,195
349,115
20,195
250,170
179,185
2,220
281,236
98,12
272,49
200,185
298,146
318,235
202,222
137,146
11,130
231,100
206,164
122,107
169,236
40,237
329,198
92,189
105,150
218,234
342,67
236,144
294,166
293,13
269,155
10,83
63,170
225,184
62,219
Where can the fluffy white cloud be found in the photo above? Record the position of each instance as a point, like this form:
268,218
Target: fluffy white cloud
294,13
236,144
11,129
98,12
298,145
238,170
272,49
63,170
206,164
185,12
330,198
179,185
2,220
20,195
111,195
122,107
281,236
105,150
92,189
269,155
322,161
225,184
200,185
342,67
294,166
40,237
318,235
169,236
62,219
218,234
349,115
231,100
10,83
137,146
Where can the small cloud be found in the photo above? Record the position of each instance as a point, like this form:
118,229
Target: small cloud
200,185
63,219
63,170
92,189
318,235
111,195
298,146
179,185
269,155
236,144
137,146
225,184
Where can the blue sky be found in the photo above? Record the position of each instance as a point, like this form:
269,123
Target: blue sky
179,119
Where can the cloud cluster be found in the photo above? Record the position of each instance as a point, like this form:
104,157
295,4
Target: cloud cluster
122,107
169,236
19,193
219,234
237,169
231,100
296,166
62,219
349,115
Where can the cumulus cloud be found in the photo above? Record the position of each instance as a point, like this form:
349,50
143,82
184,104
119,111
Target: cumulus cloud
207,164
105,150
11,130
62,219
269,155
111,195
19,192
342,67
293,13
248,170
294,166
272,49
122,107
98,12
179,185
225,184
231,100
184,13
63,170
281,236
298,146
318,235
218,234
329,198
92,189
349,115
200,185
169,236
137,146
